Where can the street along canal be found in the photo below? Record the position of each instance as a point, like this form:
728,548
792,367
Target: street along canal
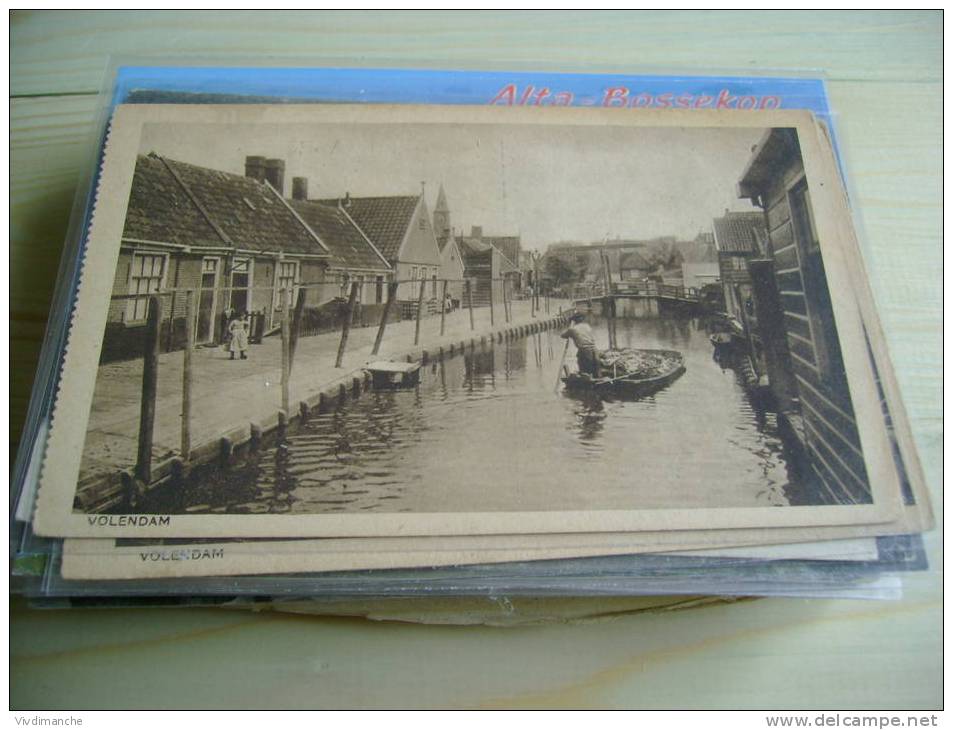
485,431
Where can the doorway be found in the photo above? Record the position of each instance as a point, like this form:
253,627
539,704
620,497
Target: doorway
205,325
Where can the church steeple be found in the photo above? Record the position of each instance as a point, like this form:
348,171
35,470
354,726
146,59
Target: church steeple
441,218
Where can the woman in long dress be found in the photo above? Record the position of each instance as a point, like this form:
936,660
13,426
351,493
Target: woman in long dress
238,330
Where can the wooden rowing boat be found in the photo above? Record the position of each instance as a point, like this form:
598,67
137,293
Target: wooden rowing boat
657,369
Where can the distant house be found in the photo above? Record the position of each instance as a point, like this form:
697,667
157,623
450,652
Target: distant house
738,239
234,239
485,263
452,268
354,258
634,266
795,321
400,228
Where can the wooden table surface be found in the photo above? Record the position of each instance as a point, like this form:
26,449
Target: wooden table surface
885,83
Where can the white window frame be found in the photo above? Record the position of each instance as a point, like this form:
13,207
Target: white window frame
296,282
131,306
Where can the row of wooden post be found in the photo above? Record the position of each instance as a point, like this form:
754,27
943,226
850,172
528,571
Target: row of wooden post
289,326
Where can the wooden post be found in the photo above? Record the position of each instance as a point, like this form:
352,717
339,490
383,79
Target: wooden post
536,283
443,307
469,289
296,324
285,350
491,302
506,304
420,310
391,297
150,377
346,330
186,448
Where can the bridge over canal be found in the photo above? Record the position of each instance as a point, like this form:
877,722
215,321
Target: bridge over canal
635,298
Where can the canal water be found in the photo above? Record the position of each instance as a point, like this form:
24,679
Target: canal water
487,431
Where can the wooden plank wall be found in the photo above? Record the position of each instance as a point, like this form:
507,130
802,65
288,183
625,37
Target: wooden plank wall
832,439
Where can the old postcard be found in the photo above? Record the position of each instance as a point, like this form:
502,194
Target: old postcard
464,321
131,559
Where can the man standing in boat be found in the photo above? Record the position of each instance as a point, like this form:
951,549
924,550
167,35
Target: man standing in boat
587,356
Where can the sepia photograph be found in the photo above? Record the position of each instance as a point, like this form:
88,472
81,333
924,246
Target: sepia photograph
467,322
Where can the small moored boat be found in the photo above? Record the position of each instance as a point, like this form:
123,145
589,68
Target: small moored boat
630,373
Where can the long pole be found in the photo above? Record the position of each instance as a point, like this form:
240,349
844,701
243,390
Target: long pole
506,304
470,302
346,329
385,315
150,379
536,283
186,448
443,307
559,370
420,310
491,302
285,350
296,326
533,301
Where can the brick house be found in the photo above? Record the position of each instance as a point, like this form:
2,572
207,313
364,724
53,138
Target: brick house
232,239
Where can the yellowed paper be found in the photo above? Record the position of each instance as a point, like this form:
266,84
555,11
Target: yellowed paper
552,497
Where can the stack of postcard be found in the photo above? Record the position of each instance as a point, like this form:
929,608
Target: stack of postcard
322,338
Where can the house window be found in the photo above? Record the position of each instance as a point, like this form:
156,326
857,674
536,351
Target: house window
360,289
287,277
148,272
379,290
240,285
433,276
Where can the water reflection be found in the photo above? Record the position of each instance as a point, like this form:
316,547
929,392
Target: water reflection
485,431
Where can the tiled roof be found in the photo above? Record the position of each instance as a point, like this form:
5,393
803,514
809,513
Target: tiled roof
161,211
250,213
348,247
384,219
469,246
739,232
475,246
509,245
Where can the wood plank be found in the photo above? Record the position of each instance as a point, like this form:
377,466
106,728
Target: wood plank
50,141
52,52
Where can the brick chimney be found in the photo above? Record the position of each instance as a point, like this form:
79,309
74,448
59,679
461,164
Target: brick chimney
299,188
255,168
476,232
275,174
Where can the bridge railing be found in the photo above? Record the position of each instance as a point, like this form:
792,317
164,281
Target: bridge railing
594,290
